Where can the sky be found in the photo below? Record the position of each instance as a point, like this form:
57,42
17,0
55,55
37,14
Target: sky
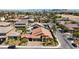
39,4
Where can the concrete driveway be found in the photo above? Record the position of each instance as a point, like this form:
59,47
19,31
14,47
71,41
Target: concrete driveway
34,43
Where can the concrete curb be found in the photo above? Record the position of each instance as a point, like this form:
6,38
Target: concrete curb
59,44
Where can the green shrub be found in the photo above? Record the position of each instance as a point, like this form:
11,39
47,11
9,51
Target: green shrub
50,42
76,34
24,40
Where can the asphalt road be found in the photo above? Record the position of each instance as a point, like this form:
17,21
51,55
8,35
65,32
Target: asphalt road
65,44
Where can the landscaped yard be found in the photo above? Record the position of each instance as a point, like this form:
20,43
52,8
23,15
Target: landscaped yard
39,43
21,30
18,42
76,42
50,42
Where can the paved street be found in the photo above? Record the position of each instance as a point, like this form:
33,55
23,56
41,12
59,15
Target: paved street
63,40
65,43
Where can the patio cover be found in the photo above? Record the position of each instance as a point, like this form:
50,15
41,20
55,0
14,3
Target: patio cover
30,36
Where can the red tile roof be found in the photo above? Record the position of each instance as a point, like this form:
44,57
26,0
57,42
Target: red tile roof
30,36
41,32
38,32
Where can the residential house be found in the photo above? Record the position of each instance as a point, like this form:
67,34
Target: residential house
5,30
21,25
36,25
14,35
71,27
38,34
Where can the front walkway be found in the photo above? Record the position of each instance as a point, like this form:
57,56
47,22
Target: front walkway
34,43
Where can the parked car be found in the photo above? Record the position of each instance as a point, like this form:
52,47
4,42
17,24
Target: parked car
73,44
70,38
12,47
61,30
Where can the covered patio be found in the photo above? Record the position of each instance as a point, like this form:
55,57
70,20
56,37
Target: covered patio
31,37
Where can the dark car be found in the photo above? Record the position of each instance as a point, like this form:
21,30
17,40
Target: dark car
12,47
62,31
73,44
70,39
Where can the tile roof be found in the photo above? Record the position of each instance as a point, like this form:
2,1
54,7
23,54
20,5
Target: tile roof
29,36
41,31
4,24
38,32
14,34
6,29
71,26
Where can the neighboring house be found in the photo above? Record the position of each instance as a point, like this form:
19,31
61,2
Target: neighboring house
5,30
71,26
14,35
20,16
29,30
12,20
71,17
31,20
61,22
26,17
21,23
36,25
64,22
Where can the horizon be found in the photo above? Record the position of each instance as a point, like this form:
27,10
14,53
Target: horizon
30,10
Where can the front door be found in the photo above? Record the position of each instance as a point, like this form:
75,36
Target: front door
30,39
37,39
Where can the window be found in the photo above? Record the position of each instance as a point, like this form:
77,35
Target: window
2,34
